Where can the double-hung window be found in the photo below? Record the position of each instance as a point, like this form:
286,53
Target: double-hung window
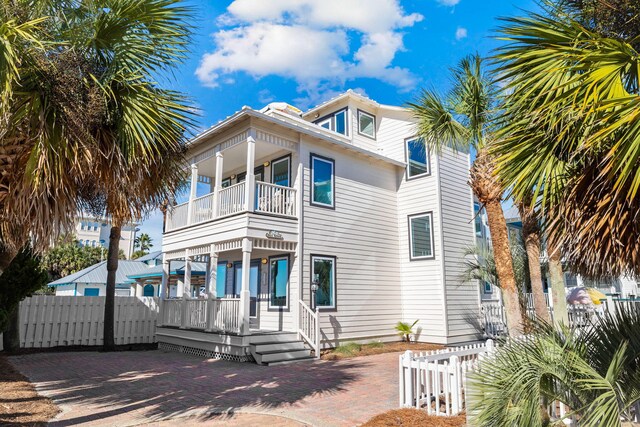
366,124
421,236
323,274
279,282
336,122
322,181
417,158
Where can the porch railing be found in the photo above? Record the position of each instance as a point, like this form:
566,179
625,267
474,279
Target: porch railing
309,328
231,200
177,216
225,315
172,312
202,209
275,199
197,313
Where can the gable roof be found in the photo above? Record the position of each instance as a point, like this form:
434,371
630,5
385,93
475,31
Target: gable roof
177,268
356,96
150,256
97,274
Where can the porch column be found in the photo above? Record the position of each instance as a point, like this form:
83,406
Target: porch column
250,182
217,184
192,193
138,289
186,291
163,292
212,274
247,246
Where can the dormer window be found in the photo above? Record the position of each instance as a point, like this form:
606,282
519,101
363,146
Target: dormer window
366,124
336,122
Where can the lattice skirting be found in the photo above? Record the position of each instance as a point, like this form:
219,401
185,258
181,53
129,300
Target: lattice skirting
208,354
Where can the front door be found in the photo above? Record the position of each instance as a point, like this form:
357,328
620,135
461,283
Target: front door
254,284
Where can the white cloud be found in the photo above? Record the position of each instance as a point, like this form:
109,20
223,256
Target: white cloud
461,33
310,41
449,2
265,96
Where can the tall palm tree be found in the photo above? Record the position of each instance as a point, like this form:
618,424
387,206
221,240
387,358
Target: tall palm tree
143,242
571,133
461,121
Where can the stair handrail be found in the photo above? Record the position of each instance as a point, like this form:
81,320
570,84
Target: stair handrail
309,327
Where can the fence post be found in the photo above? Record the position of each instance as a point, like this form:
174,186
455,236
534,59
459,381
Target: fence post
407,378
490,345
611,305
455,387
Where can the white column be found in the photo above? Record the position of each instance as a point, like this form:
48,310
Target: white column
192,193
250,182
138,289
164,283
186,291
244,293
212,273
218,184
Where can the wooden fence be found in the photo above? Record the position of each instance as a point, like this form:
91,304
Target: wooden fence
52,321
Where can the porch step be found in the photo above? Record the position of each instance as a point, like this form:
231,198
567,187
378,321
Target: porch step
278,348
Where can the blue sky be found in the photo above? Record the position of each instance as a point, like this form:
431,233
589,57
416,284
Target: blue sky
252,52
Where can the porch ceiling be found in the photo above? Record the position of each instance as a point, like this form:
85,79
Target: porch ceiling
235,158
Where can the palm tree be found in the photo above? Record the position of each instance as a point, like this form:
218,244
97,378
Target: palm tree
461,121
143,242
595,374
570,132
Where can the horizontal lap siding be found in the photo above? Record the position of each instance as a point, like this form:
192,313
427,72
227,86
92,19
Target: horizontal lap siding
458,228
422,281
362,233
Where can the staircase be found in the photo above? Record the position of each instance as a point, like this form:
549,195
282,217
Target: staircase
279,348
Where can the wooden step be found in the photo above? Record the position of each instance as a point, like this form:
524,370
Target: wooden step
281,356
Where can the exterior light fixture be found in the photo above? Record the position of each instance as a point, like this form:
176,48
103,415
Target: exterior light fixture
266,164
233,177
264,260
229,265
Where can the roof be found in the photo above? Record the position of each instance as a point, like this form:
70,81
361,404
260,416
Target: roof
297,125
150,256
353,95
177,268
97,274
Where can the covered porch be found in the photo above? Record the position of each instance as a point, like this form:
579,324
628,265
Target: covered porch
252,171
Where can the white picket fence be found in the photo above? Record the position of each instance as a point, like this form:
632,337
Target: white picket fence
52,321
436,380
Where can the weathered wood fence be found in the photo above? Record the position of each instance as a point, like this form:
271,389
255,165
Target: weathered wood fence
53,321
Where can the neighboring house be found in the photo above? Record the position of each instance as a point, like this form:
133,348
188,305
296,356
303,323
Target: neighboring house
92,230
341,208
140,277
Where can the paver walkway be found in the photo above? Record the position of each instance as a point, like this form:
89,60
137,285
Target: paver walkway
131,388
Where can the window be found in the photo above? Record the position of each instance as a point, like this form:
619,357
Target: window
417,158
366,124
93,243
148,291
226,182
421,236
91,292
221,279
86,242
488,289
281,171
336,122
278,282
322,181
323,273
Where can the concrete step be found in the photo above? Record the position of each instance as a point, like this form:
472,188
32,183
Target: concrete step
273,338
281,356
290,361
278,346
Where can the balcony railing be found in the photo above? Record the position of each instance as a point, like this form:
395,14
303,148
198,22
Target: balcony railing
221,314
269,199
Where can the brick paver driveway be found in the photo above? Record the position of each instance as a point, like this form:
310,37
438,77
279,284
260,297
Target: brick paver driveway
129,388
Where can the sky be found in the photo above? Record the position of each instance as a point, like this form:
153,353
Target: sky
252,52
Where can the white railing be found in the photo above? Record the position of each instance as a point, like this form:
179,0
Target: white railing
172,312
225,315
202,209
309,328
231,200
493,318
197,314
177,216
275,199
437,379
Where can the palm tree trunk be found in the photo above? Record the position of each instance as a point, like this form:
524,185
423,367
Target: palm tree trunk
504,266
531,236
560,314
109,306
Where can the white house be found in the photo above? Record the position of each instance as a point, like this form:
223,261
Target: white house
319,228
94,230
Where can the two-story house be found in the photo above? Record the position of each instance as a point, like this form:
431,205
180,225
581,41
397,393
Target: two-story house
319,228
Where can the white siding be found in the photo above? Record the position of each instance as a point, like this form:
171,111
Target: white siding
362,233
462,299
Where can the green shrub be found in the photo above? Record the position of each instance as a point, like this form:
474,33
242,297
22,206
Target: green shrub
348,348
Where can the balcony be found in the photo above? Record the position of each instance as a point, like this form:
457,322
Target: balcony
270,199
